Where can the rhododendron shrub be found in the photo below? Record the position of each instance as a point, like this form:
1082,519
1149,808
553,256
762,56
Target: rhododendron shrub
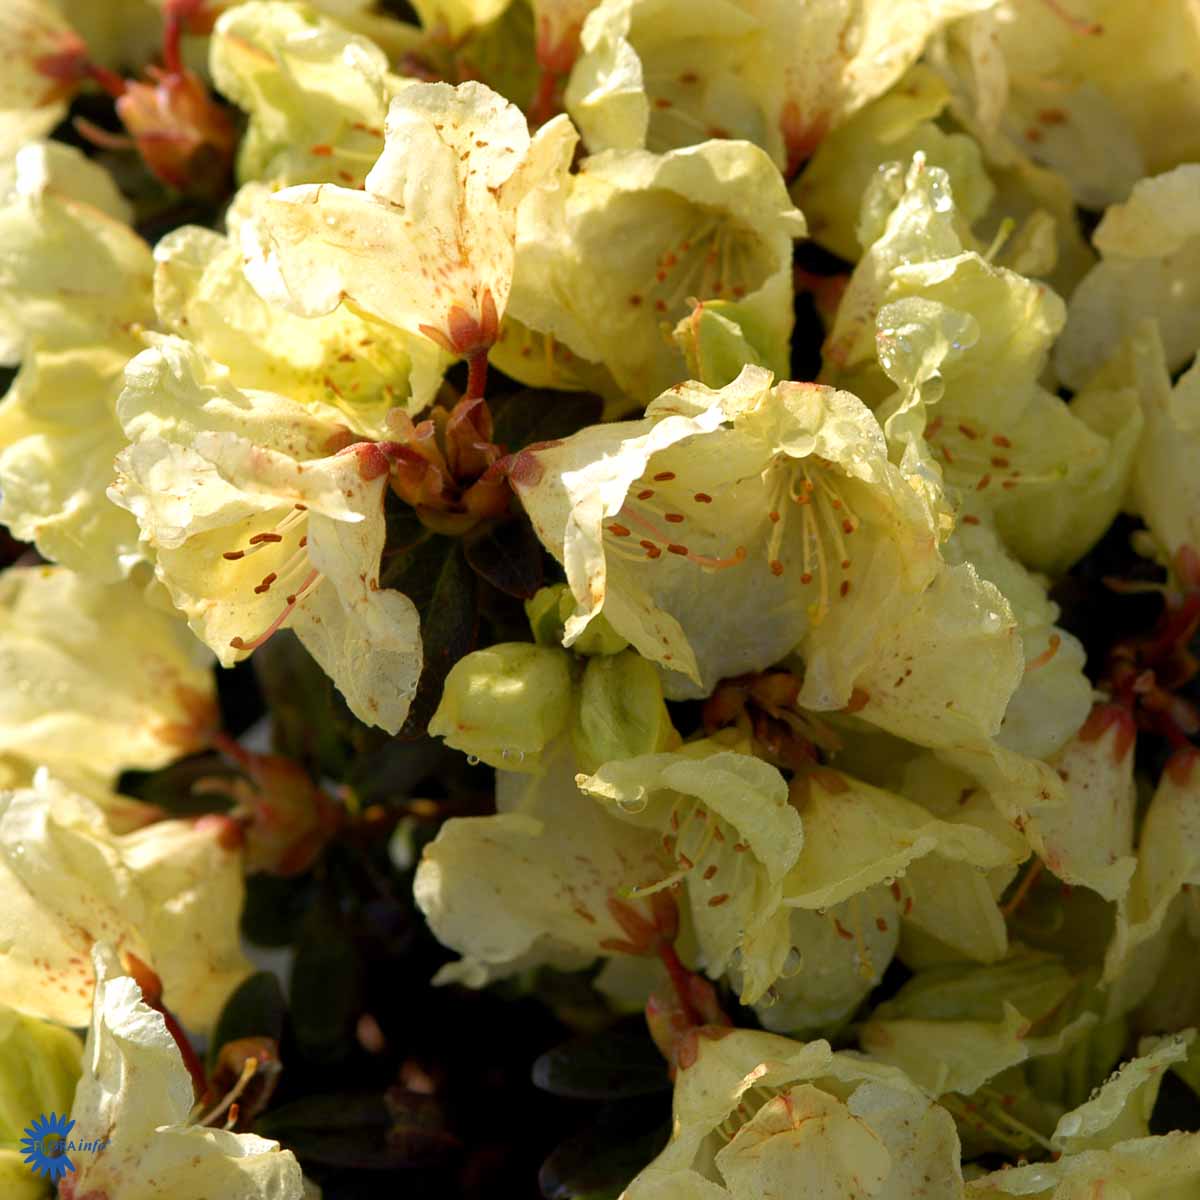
599,598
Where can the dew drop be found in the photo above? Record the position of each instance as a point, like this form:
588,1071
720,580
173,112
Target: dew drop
1070,1125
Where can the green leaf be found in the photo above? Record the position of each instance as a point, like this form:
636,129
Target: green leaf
172,787
605,1066
605,1156
302,703
256,1008
448,603
327,984
274,908
362,1130
534,415
507,555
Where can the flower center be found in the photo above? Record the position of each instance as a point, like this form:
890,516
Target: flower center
977,458
814,497
697,840
717,258
659,518
292,577
680,113
652,521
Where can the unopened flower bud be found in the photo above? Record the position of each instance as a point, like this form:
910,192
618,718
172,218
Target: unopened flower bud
505,704
621,712
285,819
717,339
184,136
548,611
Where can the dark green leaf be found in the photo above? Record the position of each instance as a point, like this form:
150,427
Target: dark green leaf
605,1156
449,618
256,1009
306,710
508,556
534,415
274,908
603,1066
412,555
327,984
362,1130
398,768
172,787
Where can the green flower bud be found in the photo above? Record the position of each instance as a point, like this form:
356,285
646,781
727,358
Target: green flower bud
548,611
505,704
717,339
39,1068
545,612
621,713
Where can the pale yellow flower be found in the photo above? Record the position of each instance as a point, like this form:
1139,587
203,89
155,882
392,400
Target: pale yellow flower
170,893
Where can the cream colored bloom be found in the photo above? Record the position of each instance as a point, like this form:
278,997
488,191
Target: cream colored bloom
72,272
943,860
136,1096
170,894
454,19
32,101
779,74
954,1028
429,246
965,343
58,438
891,129
1168,858
533,884
316,94
361,366
1088,840
1052,697
74,295
1058,87
1165,486
837,956
97,680
608,265
857,836
726,529
758,1115
257,526
725,820
1103,1146
1150,252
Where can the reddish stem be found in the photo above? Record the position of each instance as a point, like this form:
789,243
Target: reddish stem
541,108
110,81
477,366
191,1059
681,980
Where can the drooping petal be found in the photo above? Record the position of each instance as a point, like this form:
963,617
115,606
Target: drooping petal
136,1097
